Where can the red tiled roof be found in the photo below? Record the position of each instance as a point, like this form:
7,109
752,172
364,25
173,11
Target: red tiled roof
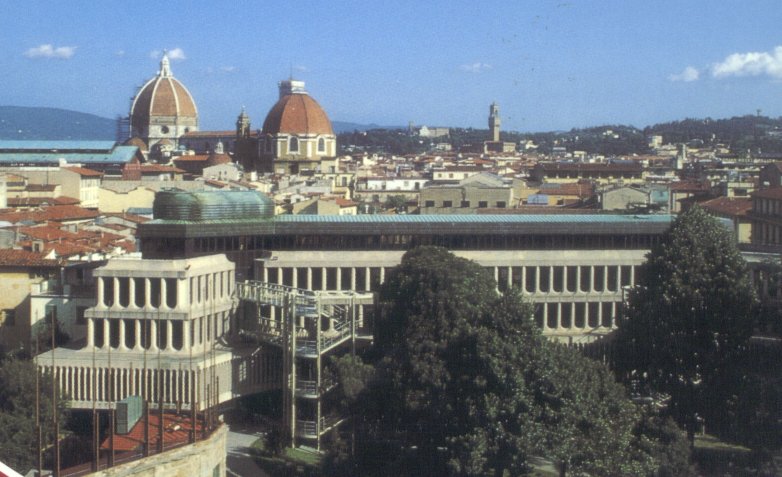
159,168
344,202
729,206
23,258
129,217
176,430
48,233
40,201
55,212
41,187
192,158
84,172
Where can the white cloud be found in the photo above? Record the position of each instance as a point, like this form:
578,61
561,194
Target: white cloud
301,68
688,74
175,54
750,64
120,53
49,51
228,69
475,67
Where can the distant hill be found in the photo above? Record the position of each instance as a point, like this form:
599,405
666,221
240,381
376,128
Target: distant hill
344,127
18,122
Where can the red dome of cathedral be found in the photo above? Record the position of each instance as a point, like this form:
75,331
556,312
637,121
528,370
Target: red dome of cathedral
162,97
296,113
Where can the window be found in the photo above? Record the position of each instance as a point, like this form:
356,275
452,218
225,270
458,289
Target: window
465,203
293,144
267,144
500,204
447,203
164,130
429,203
321,145
9,317
482,204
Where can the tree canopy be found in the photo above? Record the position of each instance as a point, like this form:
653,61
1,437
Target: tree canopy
18,435
689,316
465,384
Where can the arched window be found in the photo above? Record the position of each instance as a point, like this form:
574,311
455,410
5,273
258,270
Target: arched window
321,145
293,144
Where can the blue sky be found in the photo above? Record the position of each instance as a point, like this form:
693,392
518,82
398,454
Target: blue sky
549,65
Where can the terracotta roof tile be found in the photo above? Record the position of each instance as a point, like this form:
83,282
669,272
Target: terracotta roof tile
176,430
22,258
730,206
84,172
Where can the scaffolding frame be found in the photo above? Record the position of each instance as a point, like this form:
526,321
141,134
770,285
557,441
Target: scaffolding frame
298,331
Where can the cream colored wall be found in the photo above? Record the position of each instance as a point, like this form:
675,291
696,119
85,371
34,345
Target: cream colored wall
16,290
110,201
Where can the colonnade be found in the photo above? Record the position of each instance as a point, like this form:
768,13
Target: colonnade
130,334
567,298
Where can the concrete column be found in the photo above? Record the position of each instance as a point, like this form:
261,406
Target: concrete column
186,344
295,277
559,316
137,335
153,335
382,275
537,280
265,275
309,278
116,292
339,278
121,334
523,280
497,275
323,278
545,316
367,278
550,279
510,278
101,303
106,335
169,337
132,293
147,293
353,278
163,292
91,331
605,278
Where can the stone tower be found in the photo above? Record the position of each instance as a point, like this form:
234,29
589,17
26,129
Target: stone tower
243,125
494,122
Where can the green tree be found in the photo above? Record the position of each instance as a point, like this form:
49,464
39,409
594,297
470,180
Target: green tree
18,434
467,385
689,317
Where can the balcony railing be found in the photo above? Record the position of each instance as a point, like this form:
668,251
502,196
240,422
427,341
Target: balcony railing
309,429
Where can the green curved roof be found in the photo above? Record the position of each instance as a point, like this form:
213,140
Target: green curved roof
211,205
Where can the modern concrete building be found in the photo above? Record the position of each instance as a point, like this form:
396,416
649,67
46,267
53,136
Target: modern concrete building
156,330
573,267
